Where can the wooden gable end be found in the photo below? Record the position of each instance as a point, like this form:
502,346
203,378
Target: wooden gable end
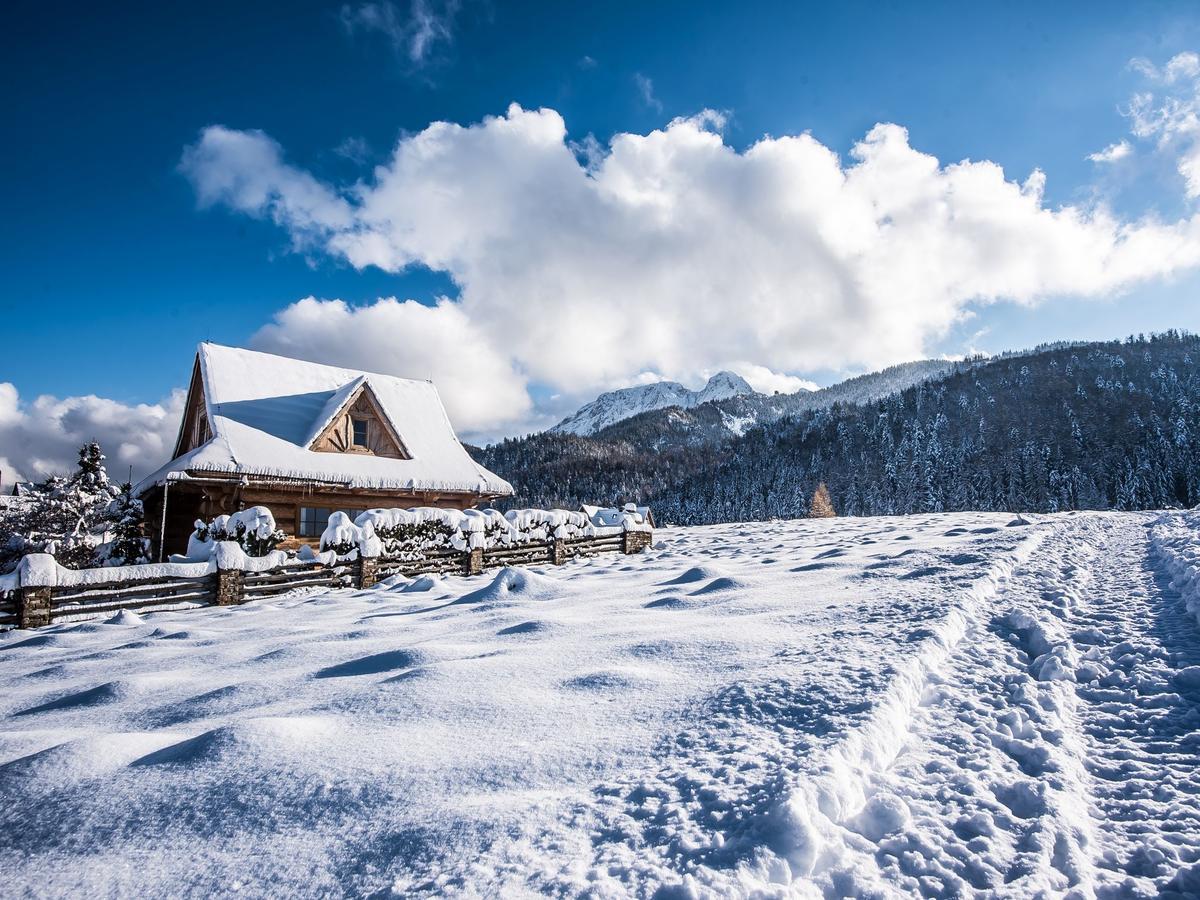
361,407
195,428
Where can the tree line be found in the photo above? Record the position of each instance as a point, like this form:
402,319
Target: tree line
1112,425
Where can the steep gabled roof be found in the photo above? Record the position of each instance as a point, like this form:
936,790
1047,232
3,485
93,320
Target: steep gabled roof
265,411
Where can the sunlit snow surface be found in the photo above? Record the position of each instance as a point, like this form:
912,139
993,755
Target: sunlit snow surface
939,705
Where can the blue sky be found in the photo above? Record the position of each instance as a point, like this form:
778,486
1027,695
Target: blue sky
111,271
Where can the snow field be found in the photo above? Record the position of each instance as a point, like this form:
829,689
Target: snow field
937,705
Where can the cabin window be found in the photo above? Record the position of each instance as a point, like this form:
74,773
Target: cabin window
314,519
358,432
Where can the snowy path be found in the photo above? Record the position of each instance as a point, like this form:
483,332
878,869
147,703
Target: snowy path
1056,751
938,706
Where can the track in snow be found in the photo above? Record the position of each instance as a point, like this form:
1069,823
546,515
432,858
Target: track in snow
940,705
1056,751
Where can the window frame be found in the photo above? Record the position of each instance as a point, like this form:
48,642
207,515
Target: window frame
320,519
355,421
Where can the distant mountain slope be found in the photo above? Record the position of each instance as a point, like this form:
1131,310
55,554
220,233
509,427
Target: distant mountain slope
638,455
714,422
614,406
1079,426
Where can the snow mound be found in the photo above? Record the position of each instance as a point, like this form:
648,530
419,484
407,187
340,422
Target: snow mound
123,689
289,736
523,628
125,617
422,584
83,759
516,583
721,584
697,573
373,664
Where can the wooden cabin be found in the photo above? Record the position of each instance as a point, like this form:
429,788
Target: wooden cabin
306,440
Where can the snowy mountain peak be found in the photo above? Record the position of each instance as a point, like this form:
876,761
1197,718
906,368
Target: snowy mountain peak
722,386
614,406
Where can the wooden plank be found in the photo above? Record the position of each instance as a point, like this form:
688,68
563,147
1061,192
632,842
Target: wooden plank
132,583
286,576
104,609
291,586
159,590
286,579
410,571
431,555
181,597
277,589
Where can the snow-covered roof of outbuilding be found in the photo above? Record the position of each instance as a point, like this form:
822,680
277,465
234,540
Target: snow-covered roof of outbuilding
265,411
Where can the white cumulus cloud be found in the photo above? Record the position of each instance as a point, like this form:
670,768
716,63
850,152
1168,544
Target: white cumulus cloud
676,253
43,437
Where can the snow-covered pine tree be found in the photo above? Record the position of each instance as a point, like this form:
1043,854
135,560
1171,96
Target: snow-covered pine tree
821,506
63,516
129,545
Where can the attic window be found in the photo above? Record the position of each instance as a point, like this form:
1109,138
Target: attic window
358,433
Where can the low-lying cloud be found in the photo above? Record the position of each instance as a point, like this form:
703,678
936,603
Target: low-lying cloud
43,437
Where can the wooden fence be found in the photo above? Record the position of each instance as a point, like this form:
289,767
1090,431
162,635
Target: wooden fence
36,605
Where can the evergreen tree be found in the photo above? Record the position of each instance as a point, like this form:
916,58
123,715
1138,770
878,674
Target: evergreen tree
129,545
821,506
65,517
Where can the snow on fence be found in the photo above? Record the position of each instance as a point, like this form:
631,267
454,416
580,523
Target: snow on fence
42,592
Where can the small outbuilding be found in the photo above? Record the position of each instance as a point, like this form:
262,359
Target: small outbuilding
306,440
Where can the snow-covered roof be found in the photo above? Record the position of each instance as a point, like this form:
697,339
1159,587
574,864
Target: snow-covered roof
264,412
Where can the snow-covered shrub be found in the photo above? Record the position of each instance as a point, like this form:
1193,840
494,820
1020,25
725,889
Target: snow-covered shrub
341,535
413,532
344,537
544,524
630,516
200,542
253,529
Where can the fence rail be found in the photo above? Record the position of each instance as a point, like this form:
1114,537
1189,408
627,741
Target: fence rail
34,605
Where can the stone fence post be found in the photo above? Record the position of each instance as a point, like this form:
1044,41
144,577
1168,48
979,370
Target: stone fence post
368,571
636,541
558,551
229,557
36,576
473,561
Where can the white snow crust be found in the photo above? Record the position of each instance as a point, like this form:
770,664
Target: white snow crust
943,706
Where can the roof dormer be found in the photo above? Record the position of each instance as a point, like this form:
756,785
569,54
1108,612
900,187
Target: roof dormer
354,421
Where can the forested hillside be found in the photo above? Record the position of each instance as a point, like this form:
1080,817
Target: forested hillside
1094,426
